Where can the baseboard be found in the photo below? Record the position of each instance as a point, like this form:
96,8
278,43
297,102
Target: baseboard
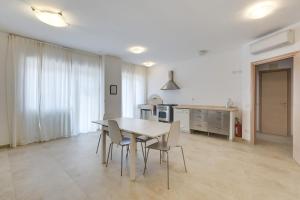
241,140
5,146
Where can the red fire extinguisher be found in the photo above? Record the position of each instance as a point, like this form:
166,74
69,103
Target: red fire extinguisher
238,128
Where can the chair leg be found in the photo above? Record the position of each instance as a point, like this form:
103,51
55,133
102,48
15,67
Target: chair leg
98,143
111,151
108,154
146,159
143,151
159,157
122,161
168,170
127,151
145,154
183,158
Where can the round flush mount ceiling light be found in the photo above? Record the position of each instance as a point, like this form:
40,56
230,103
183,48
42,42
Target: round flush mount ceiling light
149,63
51,18
261,9
137,49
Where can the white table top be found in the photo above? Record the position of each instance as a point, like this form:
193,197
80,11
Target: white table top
140,126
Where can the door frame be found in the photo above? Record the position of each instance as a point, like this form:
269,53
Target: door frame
253,86
289,91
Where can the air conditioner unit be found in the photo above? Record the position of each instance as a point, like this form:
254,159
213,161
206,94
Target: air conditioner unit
274,41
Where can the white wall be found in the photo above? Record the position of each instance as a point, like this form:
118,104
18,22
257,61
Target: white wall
113,76
246,92
214,78
296,109
247,59
208,80
4,136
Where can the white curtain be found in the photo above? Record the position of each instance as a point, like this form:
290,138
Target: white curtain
23,70
88,85
55,93
134,80
52,92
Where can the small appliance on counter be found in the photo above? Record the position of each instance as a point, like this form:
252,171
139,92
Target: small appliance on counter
165,112
149,111
229,103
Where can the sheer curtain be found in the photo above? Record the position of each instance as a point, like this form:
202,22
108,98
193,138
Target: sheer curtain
88,83
52,92
23,70
134,80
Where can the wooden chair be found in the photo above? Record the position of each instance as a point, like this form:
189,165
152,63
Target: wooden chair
172,141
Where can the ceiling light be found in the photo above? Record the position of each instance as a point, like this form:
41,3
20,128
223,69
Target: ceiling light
261,9
149,63
137,49
50,17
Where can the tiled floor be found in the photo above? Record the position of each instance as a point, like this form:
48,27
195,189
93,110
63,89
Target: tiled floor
217,169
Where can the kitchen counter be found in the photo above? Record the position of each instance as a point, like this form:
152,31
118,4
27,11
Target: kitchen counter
206,107
207,118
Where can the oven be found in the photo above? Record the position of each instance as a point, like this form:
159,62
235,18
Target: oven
165,112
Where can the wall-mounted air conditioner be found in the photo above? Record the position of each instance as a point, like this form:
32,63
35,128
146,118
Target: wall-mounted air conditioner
274,41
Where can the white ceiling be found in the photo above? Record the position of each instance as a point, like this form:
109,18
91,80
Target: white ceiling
172,30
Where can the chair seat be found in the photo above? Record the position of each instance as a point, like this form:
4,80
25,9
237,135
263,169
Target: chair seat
143,139
159,146
125,141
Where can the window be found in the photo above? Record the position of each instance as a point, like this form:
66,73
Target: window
133,89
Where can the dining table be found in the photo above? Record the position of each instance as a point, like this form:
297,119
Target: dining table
135,128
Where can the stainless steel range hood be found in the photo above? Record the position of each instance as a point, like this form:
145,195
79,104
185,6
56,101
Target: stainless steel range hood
170,85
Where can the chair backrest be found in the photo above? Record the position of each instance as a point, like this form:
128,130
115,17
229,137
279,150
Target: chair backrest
110,115
174,134
105,116
114,132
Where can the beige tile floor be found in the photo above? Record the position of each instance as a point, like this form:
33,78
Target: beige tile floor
69,169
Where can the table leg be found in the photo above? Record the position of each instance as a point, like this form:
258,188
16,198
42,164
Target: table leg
163,156
132,157
103,144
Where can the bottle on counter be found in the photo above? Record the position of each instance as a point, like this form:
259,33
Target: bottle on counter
229,103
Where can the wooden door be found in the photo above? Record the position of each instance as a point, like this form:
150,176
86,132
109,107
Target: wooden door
274,102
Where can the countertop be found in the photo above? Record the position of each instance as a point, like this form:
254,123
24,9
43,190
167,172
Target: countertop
206,107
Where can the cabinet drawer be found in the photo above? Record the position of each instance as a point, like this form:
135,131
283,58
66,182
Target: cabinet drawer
200,123
199,115
199,126
198,112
